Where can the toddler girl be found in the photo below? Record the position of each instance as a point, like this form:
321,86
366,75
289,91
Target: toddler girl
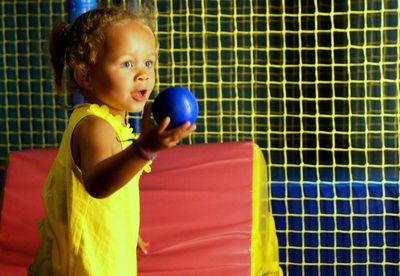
91,195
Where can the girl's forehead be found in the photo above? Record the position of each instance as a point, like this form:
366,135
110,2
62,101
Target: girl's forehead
129,23
127,33
129,26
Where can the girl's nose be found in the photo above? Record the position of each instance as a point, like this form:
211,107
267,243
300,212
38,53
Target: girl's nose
141,75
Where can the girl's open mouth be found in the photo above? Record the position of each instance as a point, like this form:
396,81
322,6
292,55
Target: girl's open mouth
139,95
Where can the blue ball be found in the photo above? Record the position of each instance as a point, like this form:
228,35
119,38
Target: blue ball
178,103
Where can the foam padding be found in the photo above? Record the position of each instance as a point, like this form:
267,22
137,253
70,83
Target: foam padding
197,213
203,210
347,229
22,208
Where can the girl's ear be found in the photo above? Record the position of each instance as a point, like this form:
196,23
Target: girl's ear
83,79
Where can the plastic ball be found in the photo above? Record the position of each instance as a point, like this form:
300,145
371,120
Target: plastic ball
178,103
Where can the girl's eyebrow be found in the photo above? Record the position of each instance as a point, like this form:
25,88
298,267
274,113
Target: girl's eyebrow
134,53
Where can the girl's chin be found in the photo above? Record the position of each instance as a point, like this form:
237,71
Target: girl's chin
136,109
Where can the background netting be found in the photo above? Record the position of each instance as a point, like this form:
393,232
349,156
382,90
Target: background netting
313,83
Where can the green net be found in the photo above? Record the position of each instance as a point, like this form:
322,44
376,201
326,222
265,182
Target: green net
314,83
29,117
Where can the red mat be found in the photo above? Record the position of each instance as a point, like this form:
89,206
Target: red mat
26,172
196,210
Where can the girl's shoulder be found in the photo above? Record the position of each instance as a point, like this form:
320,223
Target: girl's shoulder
102,112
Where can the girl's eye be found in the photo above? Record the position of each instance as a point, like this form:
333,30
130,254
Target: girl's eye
127,64
149,63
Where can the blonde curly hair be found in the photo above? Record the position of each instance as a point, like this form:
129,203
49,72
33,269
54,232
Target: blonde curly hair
75,47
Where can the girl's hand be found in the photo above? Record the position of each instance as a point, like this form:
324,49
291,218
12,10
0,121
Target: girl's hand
154,138
142,245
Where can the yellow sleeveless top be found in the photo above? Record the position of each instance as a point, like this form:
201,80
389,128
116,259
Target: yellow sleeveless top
82,235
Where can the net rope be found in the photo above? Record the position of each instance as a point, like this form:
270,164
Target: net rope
314,83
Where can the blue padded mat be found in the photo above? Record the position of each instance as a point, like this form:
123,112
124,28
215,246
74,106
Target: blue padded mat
337,225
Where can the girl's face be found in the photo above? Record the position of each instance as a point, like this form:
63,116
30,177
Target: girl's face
123,75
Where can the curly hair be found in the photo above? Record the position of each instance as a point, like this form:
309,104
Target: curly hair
75,47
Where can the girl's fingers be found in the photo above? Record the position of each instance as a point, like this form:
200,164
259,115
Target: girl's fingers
186,129
163,125
182,132
193,127
143,246
166,138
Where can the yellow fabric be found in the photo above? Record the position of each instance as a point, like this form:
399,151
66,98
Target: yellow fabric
264,242
82,235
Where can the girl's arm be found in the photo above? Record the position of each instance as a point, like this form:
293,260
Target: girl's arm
97,151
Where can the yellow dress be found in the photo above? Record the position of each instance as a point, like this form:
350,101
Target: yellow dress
82,235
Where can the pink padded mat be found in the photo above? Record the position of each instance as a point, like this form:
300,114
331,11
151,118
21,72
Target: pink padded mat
196,210
26,172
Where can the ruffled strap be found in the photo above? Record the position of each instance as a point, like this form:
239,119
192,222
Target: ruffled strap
125,133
